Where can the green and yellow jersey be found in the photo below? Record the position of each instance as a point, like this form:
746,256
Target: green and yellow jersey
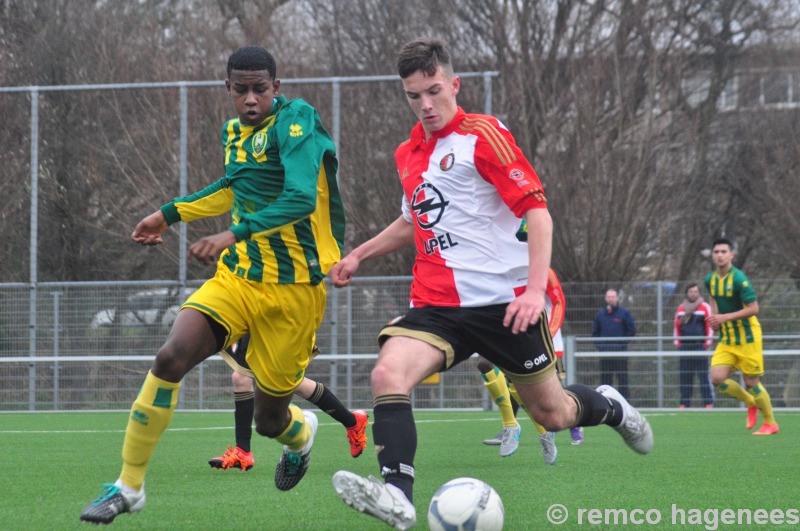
280,187
732,292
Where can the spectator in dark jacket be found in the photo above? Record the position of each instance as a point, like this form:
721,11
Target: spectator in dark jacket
694,333
617,322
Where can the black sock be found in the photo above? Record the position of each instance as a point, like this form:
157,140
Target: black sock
514,406
243,405
328,402
395,435
594,408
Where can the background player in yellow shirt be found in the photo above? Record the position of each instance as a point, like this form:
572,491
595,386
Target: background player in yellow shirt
734,308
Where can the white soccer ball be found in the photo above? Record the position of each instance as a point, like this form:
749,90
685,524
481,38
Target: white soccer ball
466,504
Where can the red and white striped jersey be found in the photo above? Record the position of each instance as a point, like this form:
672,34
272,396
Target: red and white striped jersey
465,190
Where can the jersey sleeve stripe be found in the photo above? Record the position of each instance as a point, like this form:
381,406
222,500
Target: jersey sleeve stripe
499,143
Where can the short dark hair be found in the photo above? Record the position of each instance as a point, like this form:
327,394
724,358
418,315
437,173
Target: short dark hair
252,58
423,55
690,286
722,241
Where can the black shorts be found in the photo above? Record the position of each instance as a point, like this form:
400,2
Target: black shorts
461,332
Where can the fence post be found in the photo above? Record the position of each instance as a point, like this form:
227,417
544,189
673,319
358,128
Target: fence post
56,339
660,342
569,359
34,246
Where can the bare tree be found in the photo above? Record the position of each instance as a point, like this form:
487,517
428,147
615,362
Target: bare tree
622,106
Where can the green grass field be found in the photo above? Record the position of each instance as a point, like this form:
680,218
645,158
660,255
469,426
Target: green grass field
54,464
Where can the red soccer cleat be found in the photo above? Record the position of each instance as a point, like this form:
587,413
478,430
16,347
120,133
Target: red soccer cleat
233,458
752,416
357,435
767,429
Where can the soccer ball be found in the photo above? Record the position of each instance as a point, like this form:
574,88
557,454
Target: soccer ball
466,504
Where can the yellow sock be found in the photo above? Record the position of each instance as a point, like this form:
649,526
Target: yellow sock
498,389
513,391
764,403
151,413
734,390
297,433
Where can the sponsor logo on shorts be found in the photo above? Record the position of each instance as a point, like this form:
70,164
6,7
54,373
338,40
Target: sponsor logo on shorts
538,360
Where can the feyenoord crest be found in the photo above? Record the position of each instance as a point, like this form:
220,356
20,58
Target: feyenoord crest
447,162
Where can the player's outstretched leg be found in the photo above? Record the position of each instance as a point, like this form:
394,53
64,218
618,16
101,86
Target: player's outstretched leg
371,496
115,499
233,458
635,429
293,464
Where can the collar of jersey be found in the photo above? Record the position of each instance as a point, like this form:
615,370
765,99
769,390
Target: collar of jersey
277,103
418,133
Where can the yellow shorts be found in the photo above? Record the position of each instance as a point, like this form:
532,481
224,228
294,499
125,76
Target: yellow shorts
748,358
282,320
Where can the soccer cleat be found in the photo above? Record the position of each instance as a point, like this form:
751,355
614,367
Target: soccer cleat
357,435
549,449
752,417
115,499
635,429
369,495
767,429
510,439
495,441
233,458
293,465
576,434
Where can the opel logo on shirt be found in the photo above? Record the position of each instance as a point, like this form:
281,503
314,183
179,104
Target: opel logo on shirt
428,201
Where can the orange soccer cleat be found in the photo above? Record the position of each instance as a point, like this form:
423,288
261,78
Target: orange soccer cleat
357,435
752,416
767,429
233,458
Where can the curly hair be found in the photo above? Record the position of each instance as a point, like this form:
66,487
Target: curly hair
252,58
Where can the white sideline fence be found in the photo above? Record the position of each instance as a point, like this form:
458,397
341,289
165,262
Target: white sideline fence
95,341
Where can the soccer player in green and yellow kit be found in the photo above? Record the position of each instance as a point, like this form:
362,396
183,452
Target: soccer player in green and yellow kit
287,232
734,308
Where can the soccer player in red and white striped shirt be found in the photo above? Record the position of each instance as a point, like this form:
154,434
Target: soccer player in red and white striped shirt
476,288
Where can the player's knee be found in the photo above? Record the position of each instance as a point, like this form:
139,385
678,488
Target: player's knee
484,365
390,379
241,383
170,365
553,420
270,424
381,379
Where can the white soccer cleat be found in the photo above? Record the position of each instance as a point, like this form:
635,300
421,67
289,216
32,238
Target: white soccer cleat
509,439
634,428
371,496
549,449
